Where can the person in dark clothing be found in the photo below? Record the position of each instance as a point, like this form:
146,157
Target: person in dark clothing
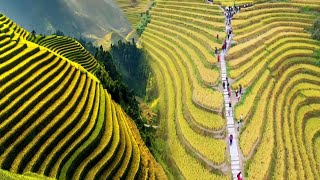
217,36
216,50
240,91
230,104
228,85
236,93
230,139
223,85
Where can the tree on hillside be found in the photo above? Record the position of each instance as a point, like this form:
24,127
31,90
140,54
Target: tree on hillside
316,29
33,33
58,33
131,61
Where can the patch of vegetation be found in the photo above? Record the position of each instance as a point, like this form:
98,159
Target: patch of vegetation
309,10
306,9
315,31
112,80
145,20
58,33
132,63
317,56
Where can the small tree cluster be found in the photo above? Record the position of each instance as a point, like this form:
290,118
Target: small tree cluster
316,29
146,18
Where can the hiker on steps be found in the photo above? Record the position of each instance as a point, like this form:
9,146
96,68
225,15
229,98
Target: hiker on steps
230,139
239,176
223,85
230,108
216,51
223,47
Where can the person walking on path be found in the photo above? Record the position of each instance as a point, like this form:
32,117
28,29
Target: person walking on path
239,176
230,139
217,36
236,93
230,108
224,85
218,58
240,89
229,92
216,50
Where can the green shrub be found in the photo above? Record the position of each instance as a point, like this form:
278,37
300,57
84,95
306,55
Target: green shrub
315,29
317,56
146,18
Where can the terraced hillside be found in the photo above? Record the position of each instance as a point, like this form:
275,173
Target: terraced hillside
133,9
58,121
64,46
273,59
70,49
26,176
180,40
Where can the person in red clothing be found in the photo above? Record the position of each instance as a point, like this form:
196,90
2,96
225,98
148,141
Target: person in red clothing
239,176
218,57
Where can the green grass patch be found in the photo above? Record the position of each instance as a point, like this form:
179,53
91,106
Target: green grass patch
317,56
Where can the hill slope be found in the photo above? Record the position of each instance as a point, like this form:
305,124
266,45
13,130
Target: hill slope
93,19
58,121
133,9
180,41
273,59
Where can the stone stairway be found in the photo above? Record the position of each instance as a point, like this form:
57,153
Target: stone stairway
231,125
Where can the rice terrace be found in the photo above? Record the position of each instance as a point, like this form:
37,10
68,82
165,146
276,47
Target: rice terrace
160,89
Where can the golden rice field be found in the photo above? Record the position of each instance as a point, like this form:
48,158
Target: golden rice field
56,120
70,49
273,59
180,41
133,9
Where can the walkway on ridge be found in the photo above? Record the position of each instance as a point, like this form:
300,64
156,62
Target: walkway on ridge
234,150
